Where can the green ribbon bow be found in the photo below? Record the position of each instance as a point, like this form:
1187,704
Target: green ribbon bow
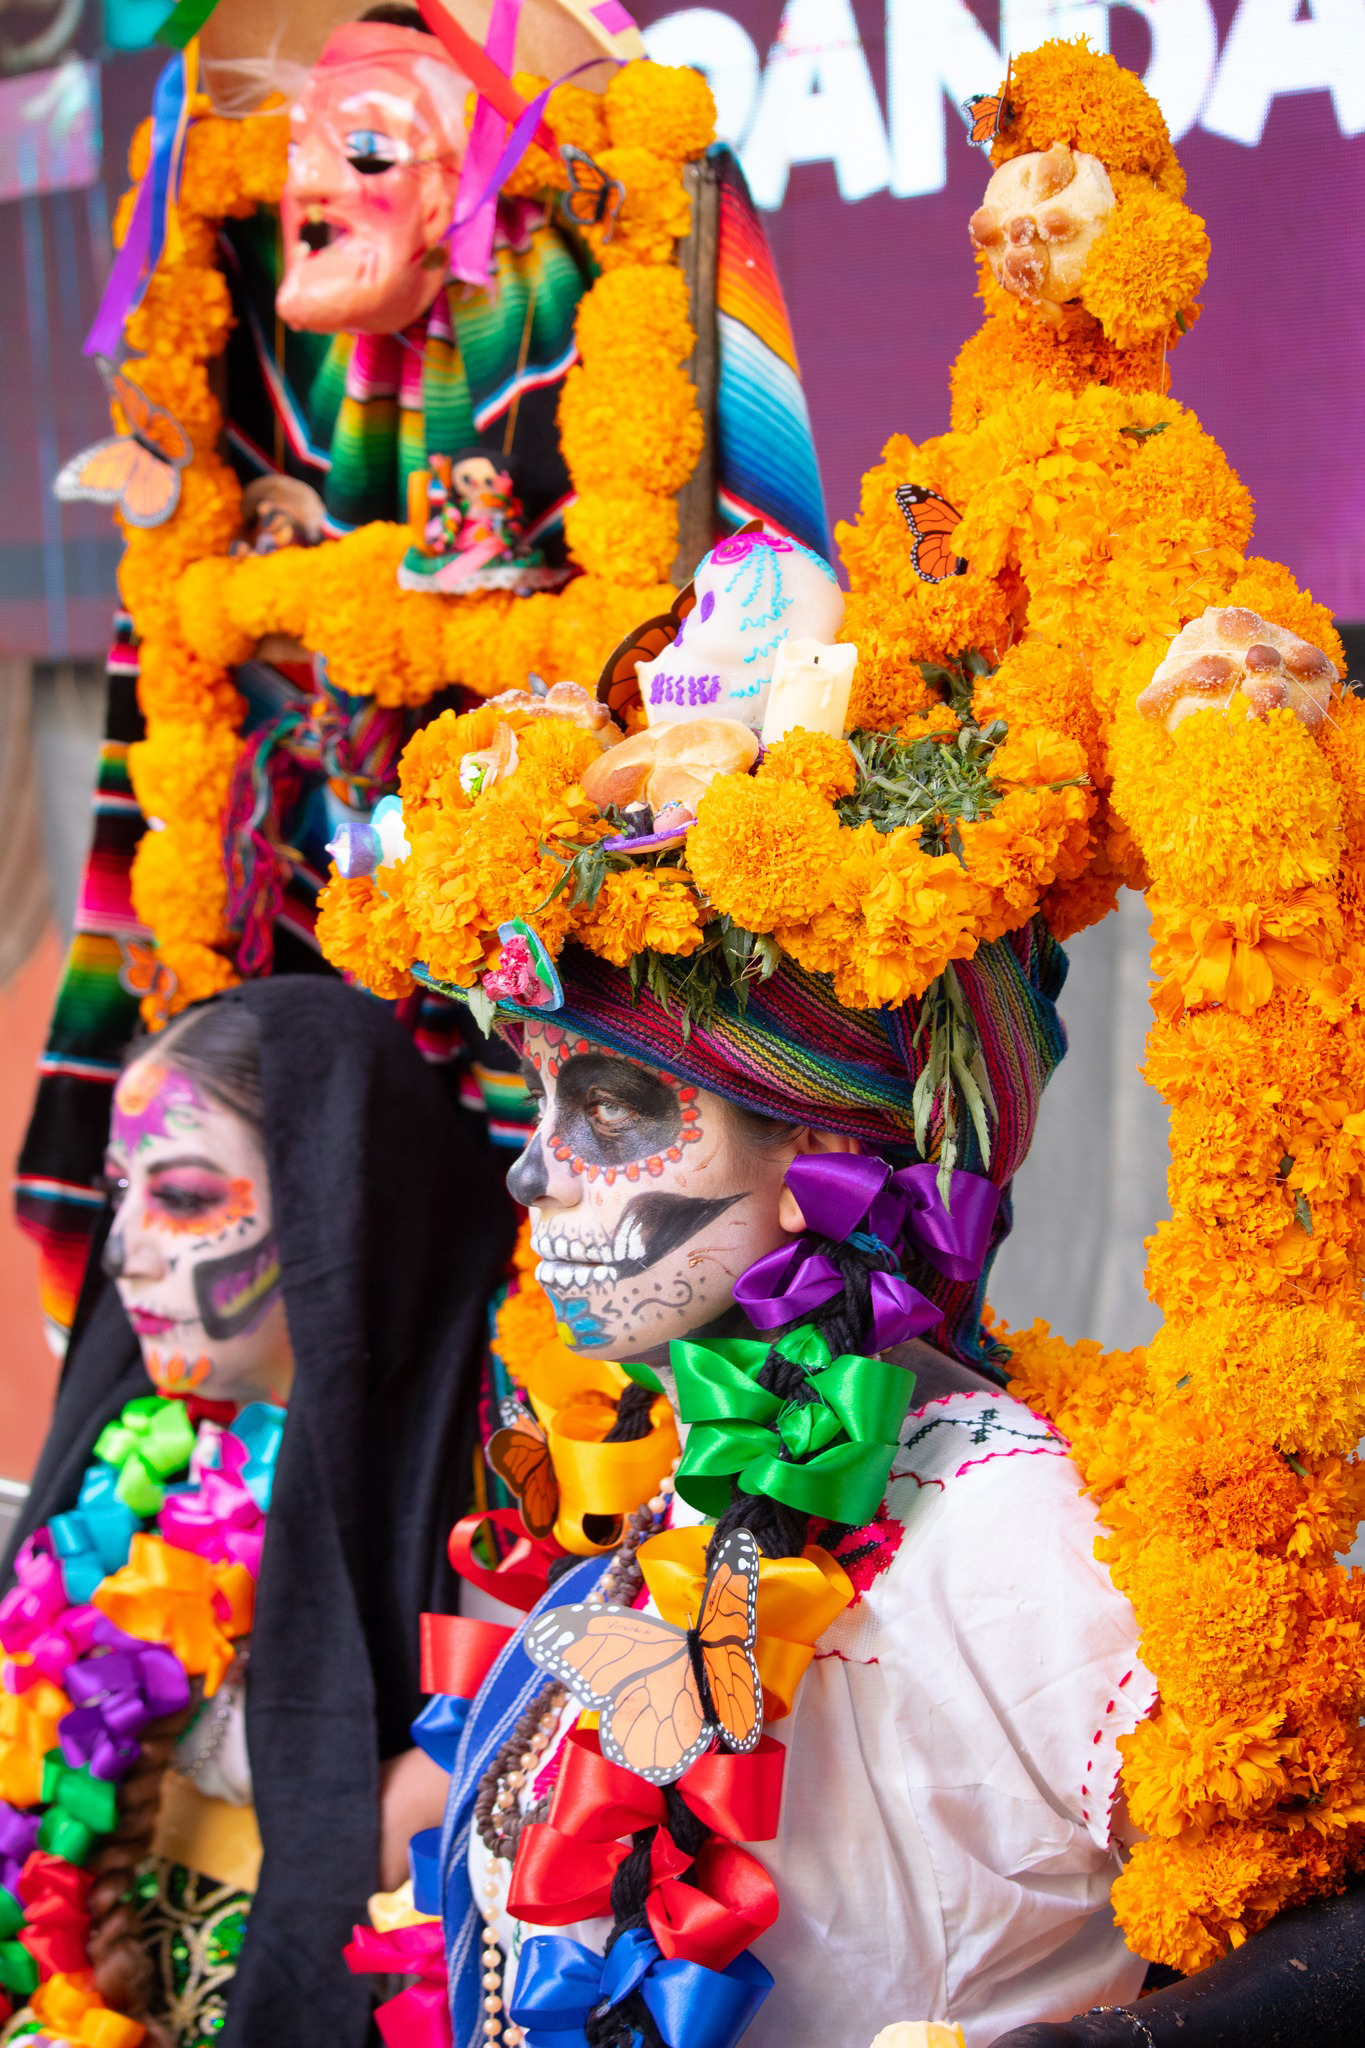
830,1457
11,1914
79,1808
18,1971
151,1440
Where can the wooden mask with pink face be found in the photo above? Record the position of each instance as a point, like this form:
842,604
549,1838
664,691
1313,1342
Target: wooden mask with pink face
377,139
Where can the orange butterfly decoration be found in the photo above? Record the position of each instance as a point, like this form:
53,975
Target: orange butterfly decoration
592,198
520,1455
664,1694
988,114
144,973
931,520
139,469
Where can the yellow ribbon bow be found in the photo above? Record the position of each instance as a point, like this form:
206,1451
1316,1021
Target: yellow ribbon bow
601,1479
167,1596
28,1730
798,1599
70,2011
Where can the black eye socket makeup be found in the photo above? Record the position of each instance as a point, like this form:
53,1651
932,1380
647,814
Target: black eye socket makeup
609,1112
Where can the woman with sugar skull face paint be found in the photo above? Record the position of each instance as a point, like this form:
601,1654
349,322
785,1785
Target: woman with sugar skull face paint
276,1265
695,1190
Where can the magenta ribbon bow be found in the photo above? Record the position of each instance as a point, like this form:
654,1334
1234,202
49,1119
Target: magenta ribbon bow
74,1634
420,2016
115,1694
219,1519
844,1193
36,1599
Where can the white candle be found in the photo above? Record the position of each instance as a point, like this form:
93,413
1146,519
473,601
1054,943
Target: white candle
810,687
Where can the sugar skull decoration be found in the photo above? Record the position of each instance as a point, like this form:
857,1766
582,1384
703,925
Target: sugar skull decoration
1230,657
1039,219
377,139
753,592
466,521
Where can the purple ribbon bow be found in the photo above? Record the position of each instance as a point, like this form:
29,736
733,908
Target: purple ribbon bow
845,1192
18,1840
220,1518
115,1695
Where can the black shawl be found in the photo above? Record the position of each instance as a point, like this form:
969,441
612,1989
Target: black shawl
393,1227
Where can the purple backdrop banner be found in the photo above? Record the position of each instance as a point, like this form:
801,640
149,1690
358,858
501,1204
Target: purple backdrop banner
845,116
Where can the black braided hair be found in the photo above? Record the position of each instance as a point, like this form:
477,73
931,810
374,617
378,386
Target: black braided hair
779,1531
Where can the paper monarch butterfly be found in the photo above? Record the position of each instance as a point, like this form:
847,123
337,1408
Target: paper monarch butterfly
139,469
987,114
592,197
144,973
931,520
520,1455
664,1694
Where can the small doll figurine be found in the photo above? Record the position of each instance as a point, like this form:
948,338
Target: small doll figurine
466,521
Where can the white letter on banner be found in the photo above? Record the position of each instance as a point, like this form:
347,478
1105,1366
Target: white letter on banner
1184,56
1270,51
714,43
817,105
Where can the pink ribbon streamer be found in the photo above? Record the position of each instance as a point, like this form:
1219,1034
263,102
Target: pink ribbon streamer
471,242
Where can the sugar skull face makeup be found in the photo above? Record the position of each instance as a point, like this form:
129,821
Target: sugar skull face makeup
648,1197
191,1249
376,144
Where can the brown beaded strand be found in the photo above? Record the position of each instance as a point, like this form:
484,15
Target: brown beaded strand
498,1820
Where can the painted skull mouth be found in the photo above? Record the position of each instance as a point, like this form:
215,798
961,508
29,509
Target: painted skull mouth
650,1227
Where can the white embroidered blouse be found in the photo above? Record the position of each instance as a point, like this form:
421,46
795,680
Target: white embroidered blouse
945,1850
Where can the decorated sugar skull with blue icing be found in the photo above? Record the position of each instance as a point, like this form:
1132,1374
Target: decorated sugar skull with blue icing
754,591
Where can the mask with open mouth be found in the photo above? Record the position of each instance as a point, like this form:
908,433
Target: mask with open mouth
648,1197
377,139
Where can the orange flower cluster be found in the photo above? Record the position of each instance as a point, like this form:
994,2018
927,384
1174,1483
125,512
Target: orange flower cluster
875,909
181,771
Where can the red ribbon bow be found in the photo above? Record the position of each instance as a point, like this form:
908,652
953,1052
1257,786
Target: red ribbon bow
522,1576
56,1930
565,1866
420,2016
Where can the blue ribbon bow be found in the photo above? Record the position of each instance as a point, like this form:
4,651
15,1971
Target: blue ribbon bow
93,1538
560,1983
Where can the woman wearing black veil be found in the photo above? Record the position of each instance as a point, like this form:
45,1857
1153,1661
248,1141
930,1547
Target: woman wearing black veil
361,1276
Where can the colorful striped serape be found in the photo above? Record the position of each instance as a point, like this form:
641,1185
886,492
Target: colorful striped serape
765,456
59,1195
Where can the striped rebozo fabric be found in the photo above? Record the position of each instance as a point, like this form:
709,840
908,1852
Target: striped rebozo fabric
795,1053
765,457
484,368
58,1194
